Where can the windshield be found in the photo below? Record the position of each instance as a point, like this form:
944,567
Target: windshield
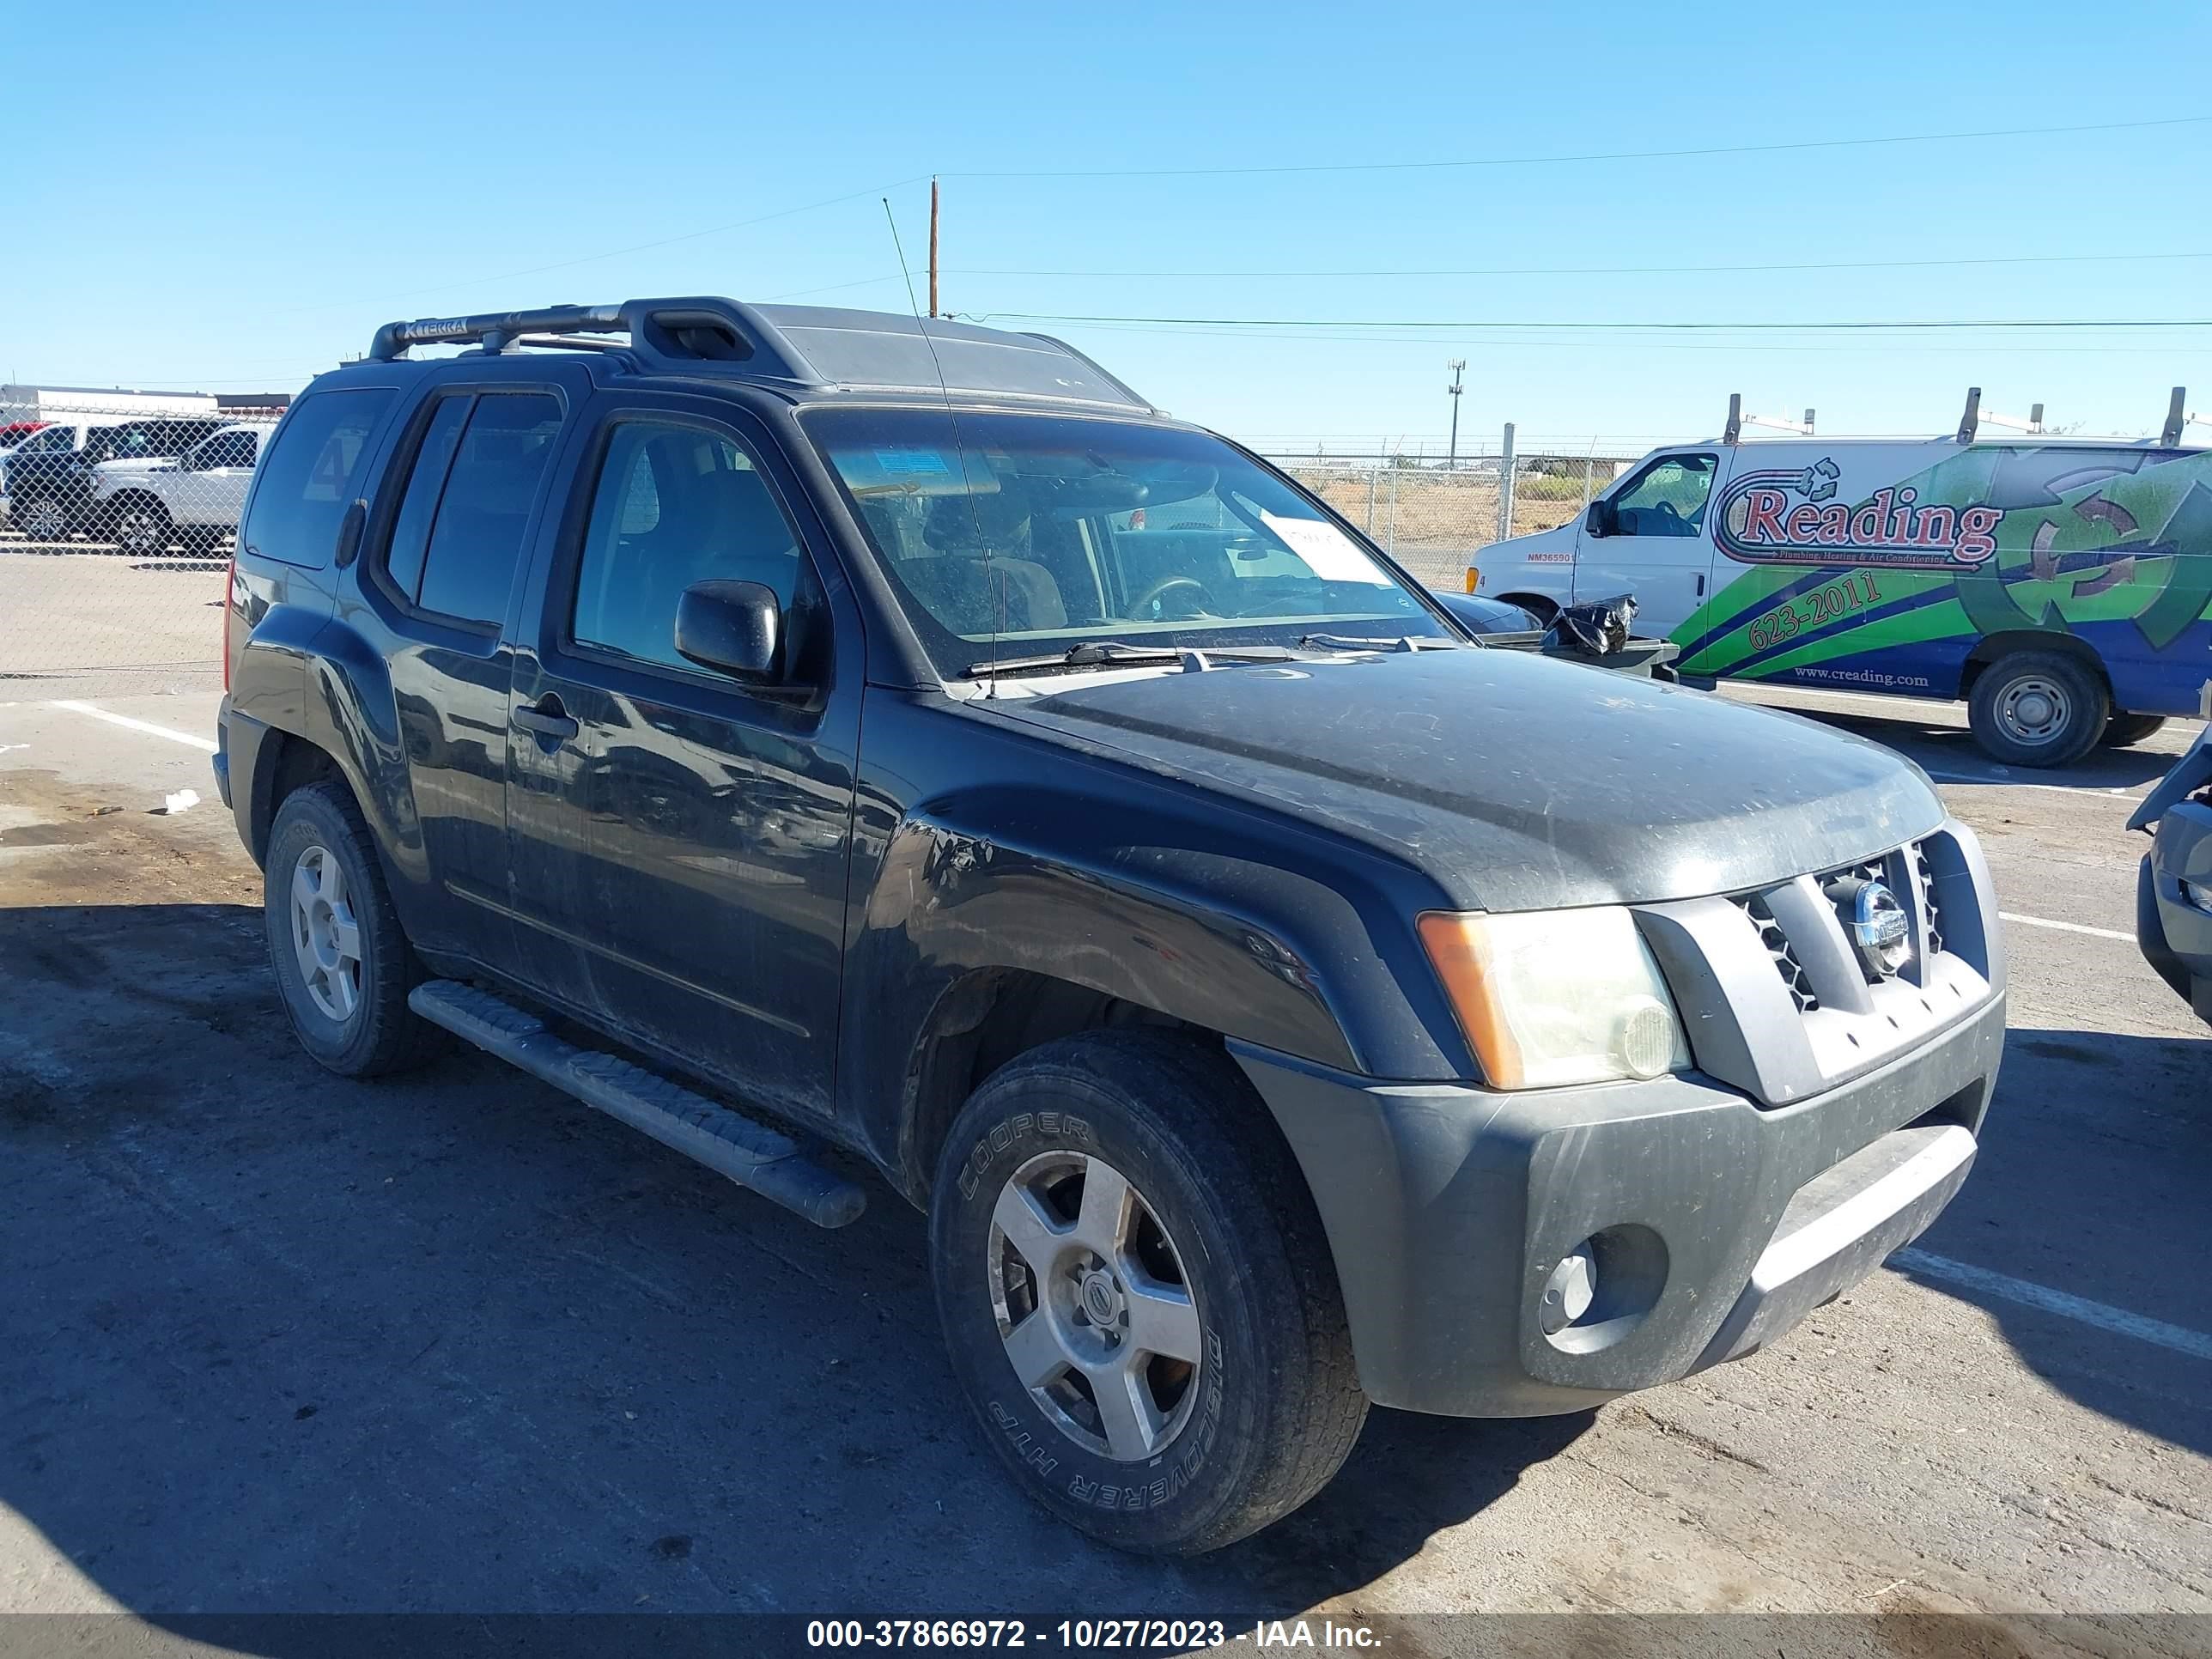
1097,530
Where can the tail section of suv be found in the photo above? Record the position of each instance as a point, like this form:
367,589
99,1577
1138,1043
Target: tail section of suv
786,728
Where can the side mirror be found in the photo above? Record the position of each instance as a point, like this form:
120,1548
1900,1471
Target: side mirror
734,628
1601,520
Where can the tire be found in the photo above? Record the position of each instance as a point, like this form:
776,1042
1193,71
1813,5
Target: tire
354,1019
2038,708
1267,1405
43,518
139,524
2122,730
1535,604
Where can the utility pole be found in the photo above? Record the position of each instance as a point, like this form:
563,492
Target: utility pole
1457,366
933,246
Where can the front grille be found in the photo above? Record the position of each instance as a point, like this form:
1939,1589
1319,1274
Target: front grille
1924,878
1777,946
1913,859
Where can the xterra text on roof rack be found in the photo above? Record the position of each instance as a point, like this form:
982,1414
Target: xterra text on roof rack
904,733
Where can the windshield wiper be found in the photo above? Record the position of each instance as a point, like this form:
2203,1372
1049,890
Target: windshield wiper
1405,642
1115,653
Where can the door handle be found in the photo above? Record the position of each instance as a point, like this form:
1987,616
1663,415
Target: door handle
547,720
1701,584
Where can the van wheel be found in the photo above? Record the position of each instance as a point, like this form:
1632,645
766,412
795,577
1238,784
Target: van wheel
1137,1294
344,966
2038,708
2122,730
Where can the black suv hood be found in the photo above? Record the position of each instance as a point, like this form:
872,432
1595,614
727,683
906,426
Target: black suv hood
1517,783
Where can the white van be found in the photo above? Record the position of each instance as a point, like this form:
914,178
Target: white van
2063,587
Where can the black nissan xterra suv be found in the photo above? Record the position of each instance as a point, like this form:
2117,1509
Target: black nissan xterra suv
786,729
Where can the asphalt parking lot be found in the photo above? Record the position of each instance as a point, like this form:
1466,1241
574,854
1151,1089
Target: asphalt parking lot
272,1342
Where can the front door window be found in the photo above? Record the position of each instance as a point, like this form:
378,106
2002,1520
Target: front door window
1667,498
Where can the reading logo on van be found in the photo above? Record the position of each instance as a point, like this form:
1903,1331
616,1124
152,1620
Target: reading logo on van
1783,514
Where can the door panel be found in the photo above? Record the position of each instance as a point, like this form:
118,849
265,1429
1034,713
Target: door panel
1659,551
685,852
473,502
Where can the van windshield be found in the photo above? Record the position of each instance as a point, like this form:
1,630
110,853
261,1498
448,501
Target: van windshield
1043,532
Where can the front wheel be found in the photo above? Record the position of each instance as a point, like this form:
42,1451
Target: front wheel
140,526
2038,708
1137,1295
2124,729
42,519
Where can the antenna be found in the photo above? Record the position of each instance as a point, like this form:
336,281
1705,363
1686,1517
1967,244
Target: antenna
959,449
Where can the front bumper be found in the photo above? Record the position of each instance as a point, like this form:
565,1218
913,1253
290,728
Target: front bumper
2175,935
1447,1206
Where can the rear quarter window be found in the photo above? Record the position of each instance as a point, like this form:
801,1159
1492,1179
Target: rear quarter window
313,472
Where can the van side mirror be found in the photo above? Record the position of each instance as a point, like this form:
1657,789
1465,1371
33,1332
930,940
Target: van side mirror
1602,520
733,628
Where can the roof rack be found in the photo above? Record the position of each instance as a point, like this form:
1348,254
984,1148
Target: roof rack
815,348
716,330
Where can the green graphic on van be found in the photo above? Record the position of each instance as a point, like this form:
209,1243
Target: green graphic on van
1760,523
1988,540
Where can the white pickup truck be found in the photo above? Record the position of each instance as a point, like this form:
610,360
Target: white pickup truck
146,504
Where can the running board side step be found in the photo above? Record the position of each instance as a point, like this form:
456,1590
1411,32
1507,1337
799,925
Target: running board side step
749,1153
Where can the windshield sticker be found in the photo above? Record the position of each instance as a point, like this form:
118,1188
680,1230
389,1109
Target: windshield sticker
1327,551
913,460
1791,515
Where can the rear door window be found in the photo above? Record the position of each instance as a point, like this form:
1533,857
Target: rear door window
314,471
482,512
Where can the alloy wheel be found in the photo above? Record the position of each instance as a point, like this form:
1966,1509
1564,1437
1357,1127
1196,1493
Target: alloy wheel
325,937
1093,1305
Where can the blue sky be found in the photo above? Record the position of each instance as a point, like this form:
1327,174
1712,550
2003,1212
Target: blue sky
232,197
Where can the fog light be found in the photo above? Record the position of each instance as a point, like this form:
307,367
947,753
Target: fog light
2198,894
1570,1291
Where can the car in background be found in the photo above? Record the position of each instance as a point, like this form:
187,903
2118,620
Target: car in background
1481,616
2173,887
48,487
148,503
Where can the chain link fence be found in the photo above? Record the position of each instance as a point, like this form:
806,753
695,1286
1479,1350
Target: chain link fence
118,512
1432,515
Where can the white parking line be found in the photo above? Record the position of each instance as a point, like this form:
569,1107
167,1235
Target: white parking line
2066,926
2007,781
2105,1317
148,726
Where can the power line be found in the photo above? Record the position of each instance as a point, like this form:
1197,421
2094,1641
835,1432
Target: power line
1596,155
1606,326
1614,270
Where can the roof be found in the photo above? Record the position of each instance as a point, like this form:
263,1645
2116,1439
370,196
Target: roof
816,348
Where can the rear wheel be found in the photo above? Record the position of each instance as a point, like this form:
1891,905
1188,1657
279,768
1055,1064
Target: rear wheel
1137,1295
2124,729
2038,708
344,966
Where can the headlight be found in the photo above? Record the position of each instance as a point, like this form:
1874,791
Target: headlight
1554,997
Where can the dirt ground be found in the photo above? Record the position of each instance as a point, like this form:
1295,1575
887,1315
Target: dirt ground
272,1343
